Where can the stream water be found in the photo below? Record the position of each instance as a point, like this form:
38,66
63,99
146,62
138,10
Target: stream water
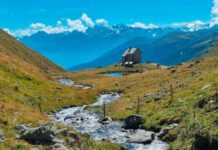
86,121
69,82
114,74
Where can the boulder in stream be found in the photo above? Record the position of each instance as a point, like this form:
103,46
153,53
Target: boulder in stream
133,122
68,117
140,136
106,120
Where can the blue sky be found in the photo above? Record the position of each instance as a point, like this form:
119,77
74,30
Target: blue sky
19,14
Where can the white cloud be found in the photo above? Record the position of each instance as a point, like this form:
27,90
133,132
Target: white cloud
215,7
76,25
59,23
214,12
214,22
37,25
144,26
87,20
102,22
64,25
191,26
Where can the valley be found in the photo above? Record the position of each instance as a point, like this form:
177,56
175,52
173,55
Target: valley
177,103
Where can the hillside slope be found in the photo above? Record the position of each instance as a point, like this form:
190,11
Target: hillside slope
29,91
192,103
13,48
71,48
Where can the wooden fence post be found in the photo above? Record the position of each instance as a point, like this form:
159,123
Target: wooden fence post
138,106
104,109
216,95
171,94
40,108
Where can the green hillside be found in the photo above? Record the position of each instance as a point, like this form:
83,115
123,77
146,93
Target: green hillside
27,81
193,107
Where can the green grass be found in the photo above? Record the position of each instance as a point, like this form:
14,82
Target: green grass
28,80
187,80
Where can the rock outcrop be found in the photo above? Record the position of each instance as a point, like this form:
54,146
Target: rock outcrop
39,135
140,136
165,130
134,122
106,120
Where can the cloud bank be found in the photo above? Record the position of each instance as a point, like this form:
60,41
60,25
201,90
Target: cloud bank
144,26
84,22
214,9
65,25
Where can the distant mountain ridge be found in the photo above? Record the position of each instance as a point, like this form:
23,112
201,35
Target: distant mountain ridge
103,46
173,48
72,48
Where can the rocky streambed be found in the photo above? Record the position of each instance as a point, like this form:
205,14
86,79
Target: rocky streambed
88,122
69,82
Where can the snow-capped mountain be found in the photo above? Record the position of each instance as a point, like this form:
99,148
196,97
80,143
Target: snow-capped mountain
72,48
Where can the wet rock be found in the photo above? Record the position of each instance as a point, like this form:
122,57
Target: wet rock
133,122
165,130
56,140
59,146
68,117
140,136
106,120
63,131
39,135
22,127
73,135
105,140
2,137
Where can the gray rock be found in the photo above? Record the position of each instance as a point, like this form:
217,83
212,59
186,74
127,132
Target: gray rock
140,136
22,127
158,97
59,146
73,135
2,137
133,122
60,141
68,117
106,120
147,95
165,130
206,87
39,135
62,131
